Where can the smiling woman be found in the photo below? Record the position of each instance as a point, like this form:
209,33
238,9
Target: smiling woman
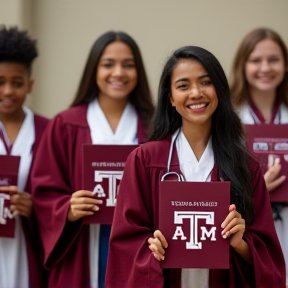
259,90
195,112
112,106
194,97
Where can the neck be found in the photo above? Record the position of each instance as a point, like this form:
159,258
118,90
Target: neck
12,123
198,137
113,109
264,101
17,117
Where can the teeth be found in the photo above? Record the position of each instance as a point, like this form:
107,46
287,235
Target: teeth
197,106
117,83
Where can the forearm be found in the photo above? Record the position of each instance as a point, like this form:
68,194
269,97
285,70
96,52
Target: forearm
243,250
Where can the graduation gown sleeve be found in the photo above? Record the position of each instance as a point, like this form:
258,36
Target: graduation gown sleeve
52,186
268,268
37,274
130,262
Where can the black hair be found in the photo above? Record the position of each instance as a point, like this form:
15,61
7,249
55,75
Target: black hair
227,133
88,90
16,46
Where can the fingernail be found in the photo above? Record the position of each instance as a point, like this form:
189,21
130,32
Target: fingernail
277,160
222,232
15,213
222,225
96,208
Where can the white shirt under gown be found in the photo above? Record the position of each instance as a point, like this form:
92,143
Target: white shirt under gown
247,116
101,133
196,171
14,269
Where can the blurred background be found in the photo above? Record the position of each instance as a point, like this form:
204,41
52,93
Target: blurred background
66,29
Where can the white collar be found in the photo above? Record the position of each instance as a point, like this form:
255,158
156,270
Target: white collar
247,115
101,132
192,169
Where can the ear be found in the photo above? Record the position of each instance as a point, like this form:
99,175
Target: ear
30,85
171,100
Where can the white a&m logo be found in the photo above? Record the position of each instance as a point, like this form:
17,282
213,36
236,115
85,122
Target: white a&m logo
194,217
112,177
4,211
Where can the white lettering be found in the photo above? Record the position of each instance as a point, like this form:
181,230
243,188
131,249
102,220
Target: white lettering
112,177
4,211
208,234
178,233
194,216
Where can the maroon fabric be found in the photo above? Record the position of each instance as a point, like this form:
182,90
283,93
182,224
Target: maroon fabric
37,274
131,263
259,115
56,175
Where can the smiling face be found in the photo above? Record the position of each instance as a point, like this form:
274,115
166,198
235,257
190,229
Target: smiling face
116,73
265,67
193,94
15,84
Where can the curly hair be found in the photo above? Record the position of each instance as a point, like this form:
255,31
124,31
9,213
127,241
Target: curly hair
17,46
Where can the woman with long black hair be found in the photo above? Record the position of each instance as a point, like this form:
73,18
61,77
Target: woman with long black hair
194,110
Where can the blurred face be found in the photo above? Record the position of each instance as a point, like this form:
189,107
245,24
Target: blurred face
265,67
193,94
116,73
15,84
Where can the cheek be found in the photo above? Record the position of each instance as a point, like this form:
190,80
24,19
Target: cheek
249,71
133,77
281,70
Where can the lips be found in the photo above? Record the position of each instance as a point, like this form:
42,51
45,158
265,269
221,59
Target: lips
117,84
198,106
265,78
6,102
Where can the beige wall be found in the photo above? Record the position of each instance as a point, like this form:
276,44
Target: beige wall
66,29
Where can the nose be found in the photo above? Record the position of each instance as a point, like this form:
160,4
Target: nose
195,92
7,89
265,66
118,70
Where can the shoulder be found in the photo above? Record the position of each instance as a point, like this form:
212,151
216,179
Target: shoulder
154,153
40,120
243,112
74,116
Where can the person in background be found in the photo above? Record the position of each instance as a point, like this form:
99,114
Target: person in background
195,112
259,90
20,134
113,105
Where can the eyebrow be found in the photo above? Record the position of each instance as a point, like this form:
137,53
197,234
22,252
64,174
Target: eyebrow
111,59
186,79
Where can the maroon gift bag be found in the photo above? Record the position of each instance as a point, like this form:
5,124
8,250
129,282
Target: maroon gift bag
267,142
9,166
103,167
190,218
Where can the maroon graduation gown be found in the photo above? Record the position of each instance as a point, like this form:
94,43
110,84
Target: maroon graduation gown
130,261
37,273
56,175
